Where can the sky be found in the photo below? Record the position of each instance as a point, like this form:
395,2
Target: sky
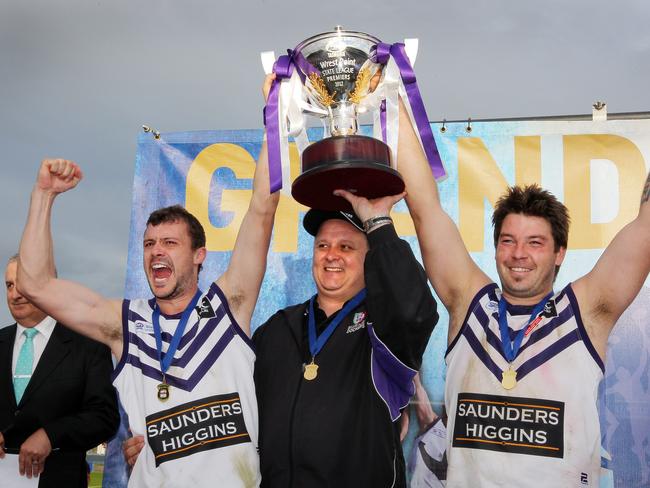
78,79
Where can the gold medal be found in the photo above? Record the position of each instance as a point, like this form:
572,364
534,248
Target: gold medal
163,392
311,371
509,380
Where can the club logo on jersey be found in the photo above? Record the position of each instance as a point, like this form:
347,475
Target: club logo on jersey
202,425
204,309
358,322
549,310
509,424
492,305
144,327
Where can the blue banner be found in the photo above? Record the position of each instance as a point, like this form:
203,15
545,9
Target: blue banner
595,168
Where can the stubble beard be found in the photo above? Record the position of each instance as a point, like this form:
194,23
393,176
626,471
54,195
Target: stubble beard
179,288
525,291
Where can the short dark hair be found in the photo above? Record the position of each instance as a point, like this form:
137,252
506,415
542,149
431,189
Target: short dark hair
176,213
533,201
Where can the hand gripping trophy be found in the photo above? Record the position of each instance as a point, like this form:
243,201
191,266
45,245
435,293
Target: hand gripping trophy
330,76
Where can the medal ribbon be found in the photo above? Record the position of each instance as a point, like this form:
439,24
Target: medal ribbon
166,360
511,348
316,343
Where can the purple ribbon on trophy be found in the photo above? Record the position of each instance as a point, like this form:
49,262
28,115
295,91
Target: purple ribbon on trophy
381,55
382,119
330,76
283,69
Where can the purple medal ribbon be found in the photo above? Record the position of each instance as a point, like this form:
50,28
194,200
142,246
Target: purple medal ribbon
381,55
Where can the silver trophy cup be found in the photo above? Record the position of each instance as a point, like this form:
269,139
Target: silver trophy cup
337,70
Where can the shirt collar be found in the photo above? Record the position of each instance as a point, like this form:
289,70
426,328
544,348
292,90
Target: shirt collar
44,327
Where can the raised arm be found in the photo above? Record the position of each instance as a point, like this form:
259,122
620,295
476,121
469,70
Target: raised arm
452,272
398,299
76,306
242,279
606,291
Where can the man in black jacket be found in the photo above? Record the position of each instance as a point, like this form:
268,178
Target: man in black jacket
56,397
333,374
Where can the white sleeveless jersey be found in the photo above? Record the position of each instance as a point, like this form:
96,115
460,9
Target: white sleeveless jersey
543,432
205,433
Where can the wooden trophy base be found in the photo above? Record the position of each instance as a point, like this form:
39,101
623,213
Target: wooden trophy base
359,164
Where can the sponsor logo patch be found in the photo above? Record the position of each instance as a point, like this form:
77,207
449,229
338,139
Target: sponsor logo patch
358,322
509,424
145,327
202,425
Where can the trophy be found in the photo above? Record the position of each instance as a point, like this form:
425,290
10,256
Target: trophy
335,71
338,69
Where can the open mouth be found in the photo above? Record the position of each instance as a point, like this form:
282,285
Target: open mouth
333,269
160,272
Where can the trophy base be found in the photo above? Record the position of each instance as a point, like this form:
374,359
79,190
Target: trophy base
359,164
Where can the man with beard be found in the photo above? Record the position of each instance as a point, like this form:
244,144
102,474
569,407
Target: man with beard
524,361
185,361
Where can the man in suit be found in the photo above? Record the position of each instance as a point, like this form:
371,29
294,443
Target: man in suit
56,397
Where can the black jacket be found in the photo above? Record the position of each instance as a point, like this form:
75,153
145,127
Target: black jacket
70,395
336,430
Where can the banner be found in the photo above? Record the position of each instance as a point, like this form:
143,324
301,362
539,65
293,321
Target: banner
596,168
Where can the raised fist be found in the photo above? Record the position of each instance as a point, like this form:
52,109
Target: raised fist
58,175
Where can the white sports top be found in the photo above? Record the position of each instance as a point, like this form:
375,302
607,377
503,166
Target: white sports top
543,432
205,433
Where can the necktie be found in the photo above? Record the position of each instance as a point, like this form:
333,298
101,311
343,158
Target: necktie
24,364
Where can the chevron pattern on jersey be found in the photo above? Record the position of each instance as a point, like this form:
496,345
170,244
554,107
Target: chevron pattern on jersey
208,333
557,331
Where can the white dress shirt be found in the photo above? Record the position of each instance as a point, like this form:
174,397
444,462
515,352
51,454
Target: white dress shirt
44,328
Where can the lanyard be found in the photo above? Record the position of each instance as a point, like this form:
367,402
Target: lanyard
166,360
511,348
316,343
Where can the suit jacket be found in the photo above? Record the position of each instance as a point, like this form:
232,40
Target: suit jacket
70,395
